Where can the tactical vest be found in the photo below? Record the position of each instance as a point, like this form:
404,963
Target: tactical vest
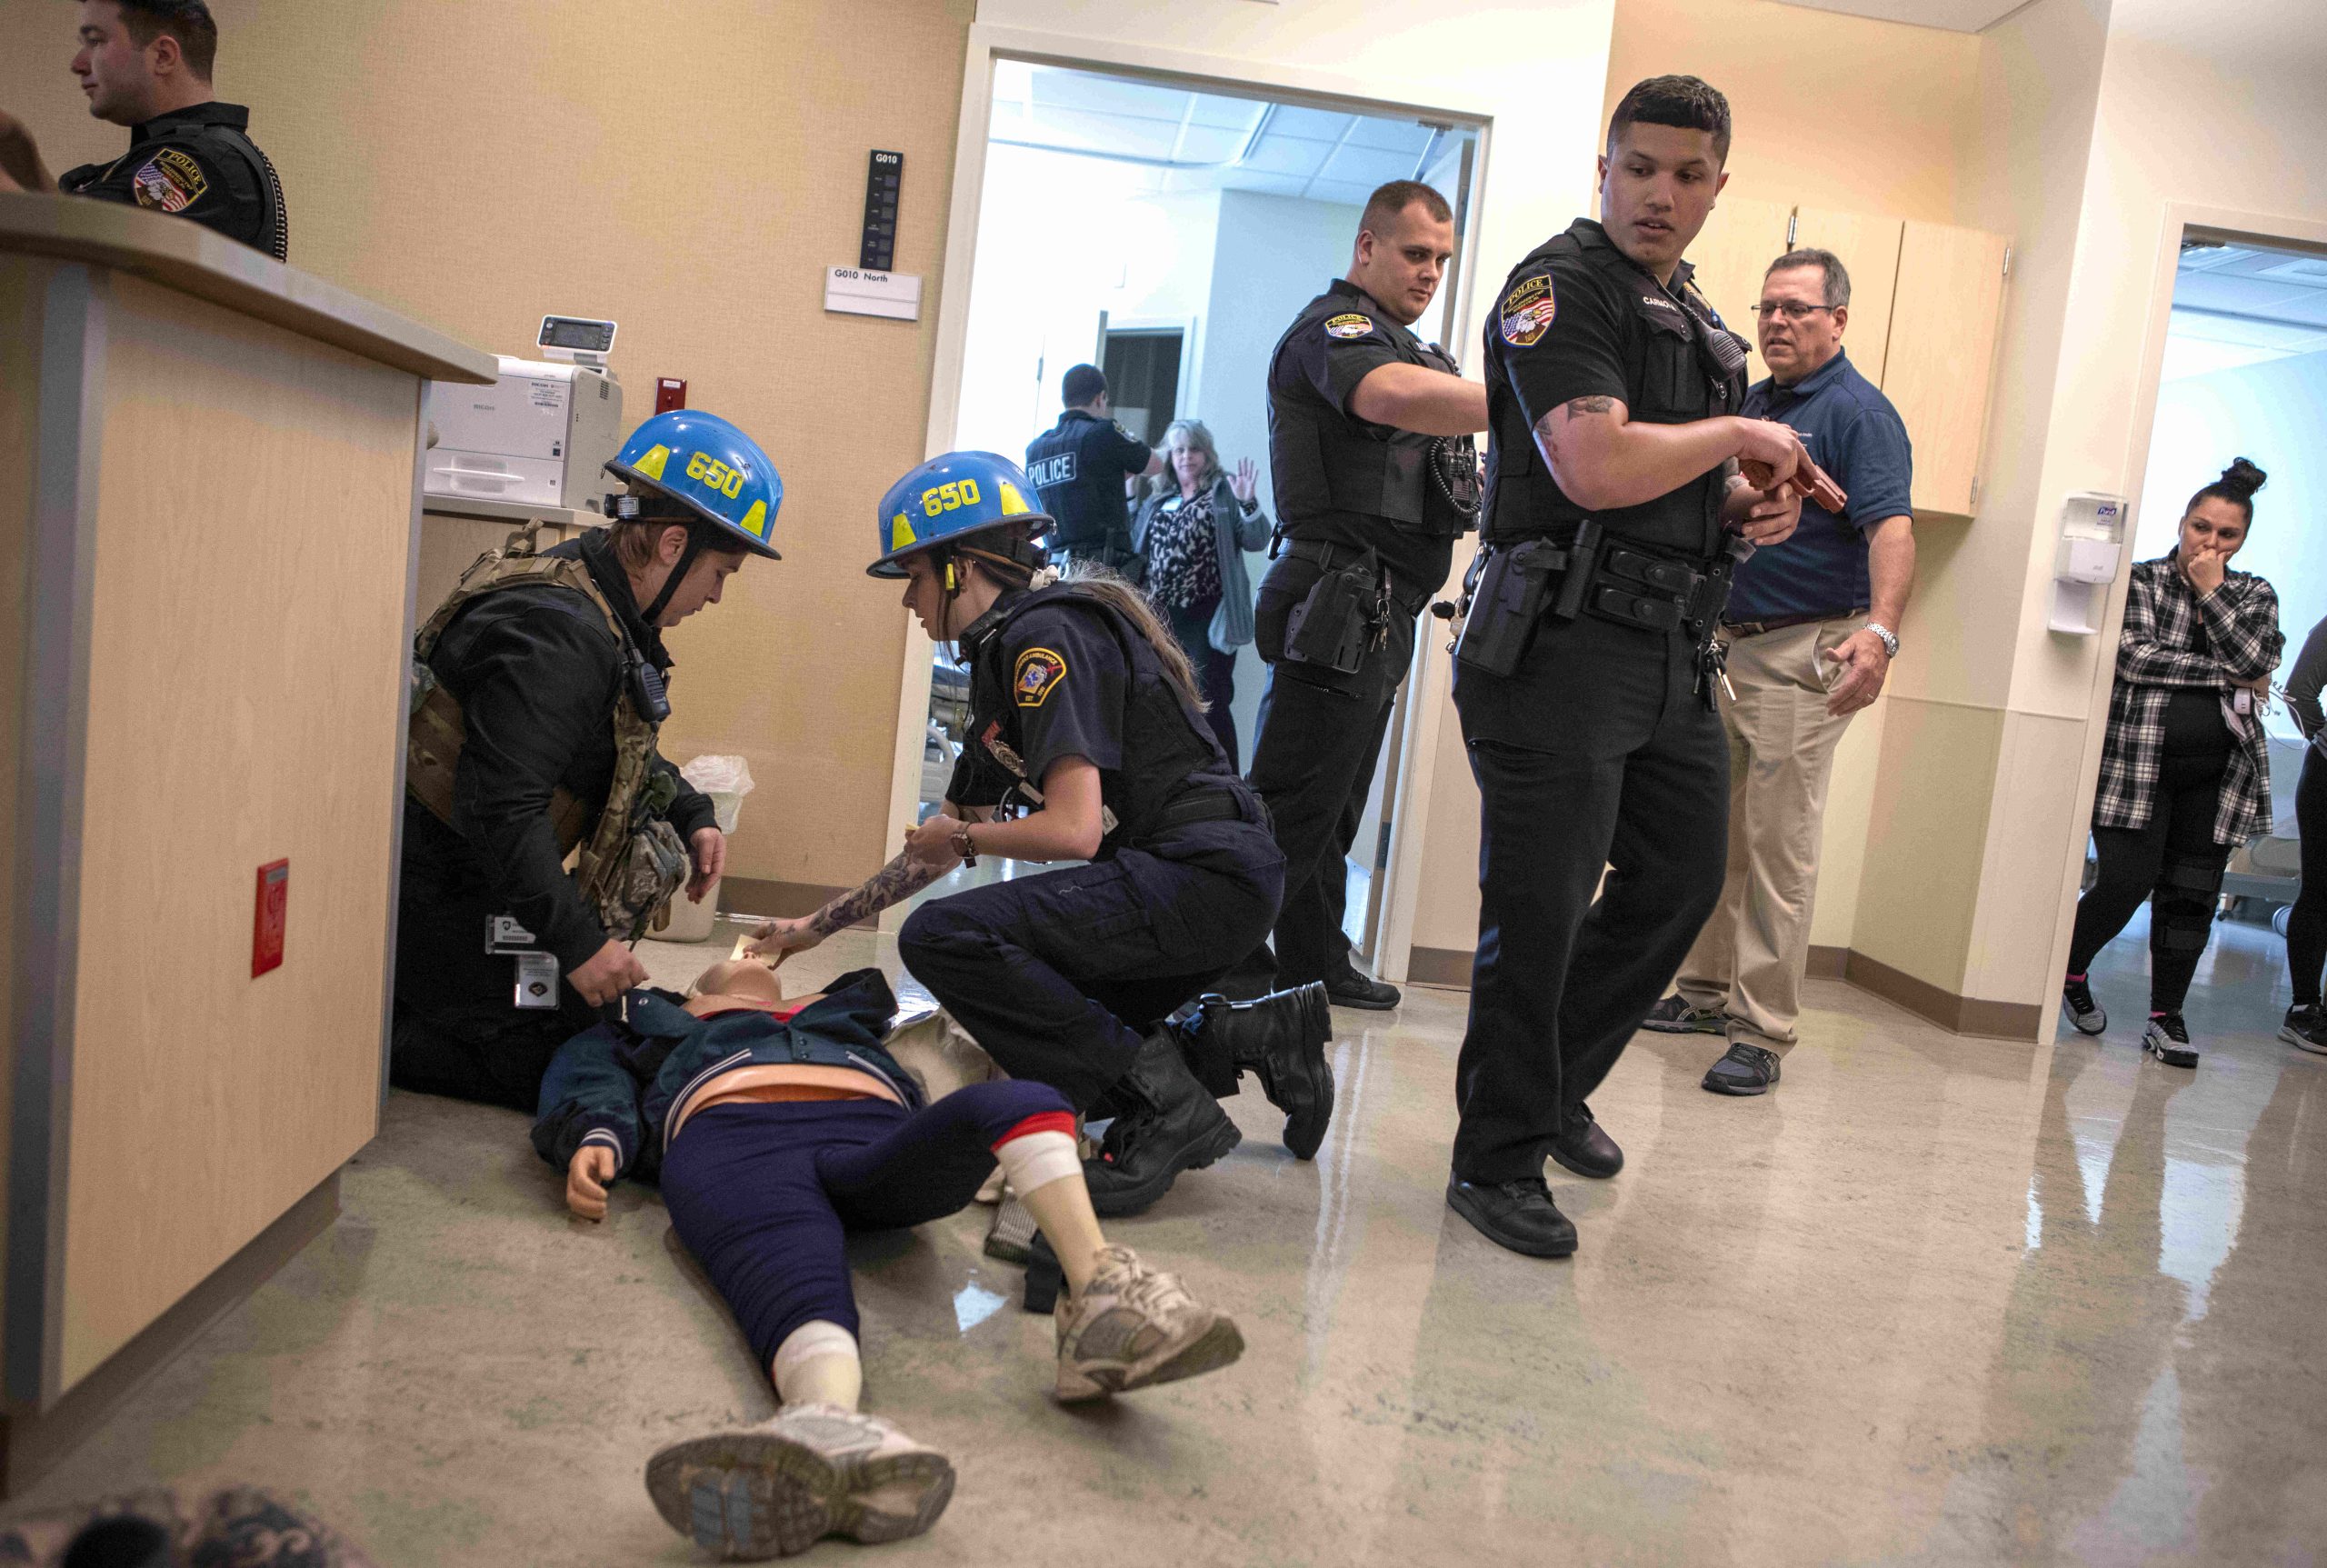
1674,378
1323,461
628,871
1166,744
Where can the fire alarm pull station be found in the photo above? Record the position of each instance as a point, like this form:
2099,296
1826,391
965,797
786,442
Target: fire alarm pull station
670,393
266,926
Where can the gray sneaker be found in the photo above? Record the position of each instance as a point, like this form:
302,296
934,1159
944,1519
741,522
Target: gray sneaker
1743,1070
1132,1326
2305,1029
814,1470
1674,1016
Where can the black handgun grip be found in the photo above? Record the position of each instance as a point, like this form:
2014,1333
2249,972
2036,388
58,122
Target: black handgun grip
1582,558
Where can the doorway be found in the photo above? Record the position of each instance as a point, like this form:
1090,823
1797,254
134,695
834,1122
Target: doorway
2244,373
1165,229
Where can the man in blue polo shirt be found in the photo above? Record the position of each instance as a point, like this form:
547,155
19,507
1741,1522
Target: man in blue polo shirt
1811,628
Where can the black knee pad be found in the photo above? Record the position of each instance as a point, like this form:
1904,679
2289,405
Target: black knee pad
2181,907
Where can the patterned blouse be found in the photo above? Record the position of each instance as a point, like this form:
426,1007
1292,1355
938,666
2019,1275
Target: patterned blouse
2174,639
1183,555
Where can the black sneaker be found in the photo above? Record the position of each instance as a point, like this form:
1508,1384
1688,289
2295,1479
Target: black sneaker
1743,1070
1280,1039
2084,1014
1173,1126
1584,1149
1351,989
1674,1016
2167,1038
2305,1029
1519,1215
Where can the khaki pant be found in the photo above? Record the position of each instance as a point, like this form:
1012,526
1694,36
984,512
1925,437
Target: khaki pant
1748,960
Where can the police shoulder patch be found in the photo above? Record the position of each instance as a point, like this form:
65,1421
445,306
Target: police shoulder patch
1038,672
1350,325
171,180
1527,310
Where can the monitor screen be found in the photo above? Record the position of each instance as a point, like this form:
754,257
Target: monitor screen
570,332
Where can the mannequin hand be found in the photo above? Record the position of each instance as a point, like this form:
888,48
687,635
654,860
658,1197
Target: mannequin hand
932,844
778,940
1864,663
1245,481
708,850
606,974
586,1176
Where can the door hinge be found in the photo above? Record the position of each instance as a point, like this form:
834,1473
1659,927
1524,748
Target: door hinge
2007,260
1792,219
1975,493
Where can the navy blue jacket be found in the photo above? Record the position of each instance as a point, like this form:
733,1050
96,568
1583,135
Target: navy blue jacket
617,1084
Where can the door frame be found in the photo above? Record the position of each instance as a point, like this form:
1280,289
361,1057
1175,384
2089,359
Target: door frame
2275,230
1428,699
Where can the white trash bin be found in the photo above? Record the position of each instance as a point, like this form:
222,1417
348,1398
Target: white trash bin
726,780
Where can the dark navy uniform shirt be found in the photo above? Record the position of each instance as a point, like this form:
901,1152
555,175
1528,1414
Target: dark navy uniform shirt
1078,467
1069,686
184,163
1852,432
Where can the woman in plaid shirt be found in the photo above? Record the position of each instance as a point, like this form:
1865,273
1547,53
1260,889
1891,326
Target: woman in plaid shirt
2184,775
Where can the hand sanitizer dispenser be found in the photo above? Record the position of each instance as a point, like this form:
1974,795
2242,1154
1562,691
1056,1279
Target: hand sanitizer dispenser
2093,543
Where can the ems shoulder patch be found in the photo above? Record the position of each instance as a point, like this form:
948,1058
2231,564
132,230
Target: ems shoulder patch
1351,325
170,180
1038,672
1527,311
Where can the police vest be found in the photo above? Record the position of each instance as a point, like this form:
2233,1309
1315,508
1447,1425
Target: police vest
1671,376
1323,461
1166,744
1086,498
619,878
220,142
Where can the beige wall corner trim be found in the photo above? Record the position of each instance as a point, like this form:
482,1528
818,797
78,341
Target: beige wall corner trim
1828,963
1963,1015
193,260
31,1442
49,790
1445,966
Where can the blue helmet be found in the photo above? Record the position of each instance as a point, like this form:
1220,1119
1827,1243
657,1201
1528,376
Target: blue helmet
712,469
947,497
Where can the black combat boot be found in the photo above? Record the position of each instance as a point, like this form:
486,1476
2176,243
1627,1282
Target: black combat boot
1280,1039
1170,1123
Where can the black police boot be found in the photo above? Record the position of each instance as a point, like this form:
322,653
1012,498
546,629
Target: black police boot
1173,1126
1583,1148
1519,1215
1351,989
1280,1039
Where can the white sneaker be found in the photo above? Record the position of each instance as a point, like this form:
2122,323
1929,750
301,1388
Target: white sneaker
1132,1326
814,1470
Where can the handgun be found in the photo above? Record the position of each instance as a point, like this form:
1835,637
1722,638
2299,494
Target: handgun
1809,481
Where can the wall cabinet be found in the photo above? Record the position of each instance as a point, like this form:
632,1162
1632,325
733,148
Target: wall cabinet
1926,300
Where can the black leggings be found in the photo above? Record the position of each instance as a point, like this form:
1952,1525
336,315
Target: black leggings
2173,861
2307,925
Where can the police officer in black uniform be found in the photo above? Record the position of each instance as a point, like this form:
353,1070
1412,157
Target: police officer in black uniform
539,688
1079,467
1376,477
1084,709
146,65
1585,672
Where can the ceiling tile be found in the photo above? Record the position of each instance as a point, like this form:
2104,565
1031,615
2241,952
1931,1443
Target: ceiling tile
1278,155
1393,135
1315,125
1369,166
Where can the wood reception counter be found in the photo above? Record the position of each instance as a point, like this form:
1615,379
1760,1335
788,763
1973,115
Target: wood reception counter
209,478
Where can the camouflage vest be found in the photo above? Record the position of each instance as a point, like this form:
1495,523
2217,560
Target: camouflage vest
632,860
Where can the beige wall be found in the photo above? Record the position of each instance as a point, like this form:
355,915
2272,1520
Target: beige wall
477,165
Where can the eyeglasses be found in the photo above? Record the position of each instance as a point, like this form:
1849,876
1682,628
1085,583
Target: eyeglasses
1791,309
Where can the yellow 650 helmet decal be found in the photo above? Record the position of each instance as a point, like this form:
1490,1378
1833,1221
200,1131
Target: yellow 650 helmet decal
946,498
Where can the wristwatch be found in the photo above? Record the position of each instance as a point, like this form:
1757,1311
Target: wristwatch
1890,638
964,845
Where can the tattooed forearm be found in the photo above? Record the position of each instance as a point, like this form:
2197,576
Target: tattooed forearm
897,881
1582,406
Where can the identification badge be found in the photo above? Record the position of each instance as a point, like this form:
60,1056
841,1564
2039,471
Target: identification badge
537,980
504,935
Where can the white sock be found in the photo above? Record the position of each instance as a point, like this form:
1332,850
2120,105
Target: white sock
1034,1160
796,1382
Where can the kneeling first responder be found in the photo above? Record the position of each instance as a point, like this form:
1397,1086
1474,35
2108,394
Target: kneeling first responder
1585,674
1376,477
1082,708
538,691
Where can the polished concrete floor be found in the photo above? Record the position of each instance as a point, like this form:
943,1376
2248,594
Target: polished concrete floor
1934,1300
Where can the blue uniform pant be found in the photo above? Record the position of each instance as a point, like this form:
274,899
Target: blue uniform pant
1060,976
763,1192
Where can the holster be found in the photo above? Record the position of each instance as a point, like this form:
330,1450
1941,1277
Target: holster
1512,591
1333,625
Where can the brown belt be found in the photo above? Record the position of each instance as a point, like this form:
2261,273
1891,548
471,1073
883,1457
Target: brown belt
1780,623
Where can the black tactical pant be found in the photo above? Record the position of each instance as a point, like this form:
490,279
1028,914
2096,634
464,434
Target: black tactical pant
1315,747
1597,753
1060,976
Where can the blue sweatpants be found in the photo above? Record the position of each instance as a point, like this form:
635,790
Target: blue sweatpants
762,1193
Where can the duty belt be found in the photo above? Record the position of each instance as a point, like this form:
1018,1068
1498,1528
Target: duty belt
1217,804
